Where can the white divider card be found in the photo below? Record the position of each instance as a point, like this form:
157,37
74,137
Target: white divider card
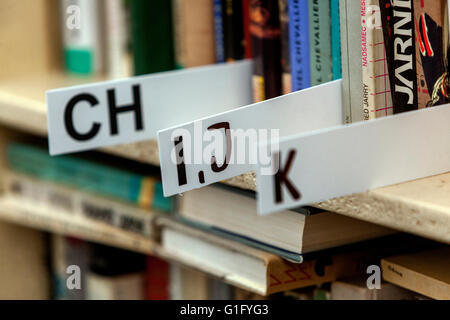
134,109
334,162
220,147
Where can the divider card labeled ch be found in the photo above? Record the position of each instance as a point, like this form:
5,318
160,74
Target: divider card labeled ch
223,146
334,162
134,109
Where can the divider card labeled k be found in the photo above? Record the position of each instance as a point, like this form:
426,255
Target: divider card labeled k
334,162
134,109
223,146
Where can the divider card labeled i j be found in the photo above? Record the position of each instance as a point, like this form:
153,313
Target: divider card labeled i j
123,111
223,146
334,162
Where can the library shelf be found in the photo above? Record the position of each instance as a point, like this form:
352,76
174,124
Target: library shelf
420,207
45,219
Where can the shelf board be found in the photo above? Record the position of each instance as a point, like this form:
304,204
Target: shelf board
420,207
44,219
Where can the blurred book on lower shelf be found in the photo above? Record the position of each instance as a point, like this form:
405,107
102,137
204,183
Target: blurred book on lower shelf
266,273
426,272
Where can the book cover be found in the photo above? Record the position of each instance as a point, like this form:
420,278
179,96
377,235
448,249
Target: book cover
219,31
151,26
285,52
299,44
398,28
266,47
233,30
82,39
320,41
336,39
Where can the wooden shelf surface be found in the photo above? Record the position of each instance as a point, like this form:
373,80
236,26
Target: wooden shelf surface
420,207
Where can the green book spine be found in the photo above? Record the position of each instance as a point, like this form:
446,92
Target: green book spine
151,26
320,41
87,175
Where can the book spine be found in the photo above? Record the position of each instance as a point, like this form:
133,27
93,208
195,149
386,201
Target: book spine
246,27
139,10
352,88
81,36
233,30
194,33
299,44
320,41
266,46
285,52
429,21
79,204
336,39
158,281
85,175
117,64
219,31
369,90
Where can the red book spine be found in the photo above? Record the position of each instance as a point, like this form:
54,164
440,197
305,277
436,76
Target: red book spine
246,24
157,279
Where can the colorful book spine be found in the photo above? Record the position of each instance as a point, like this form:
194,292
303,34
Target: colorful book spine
285,52
194,38
79,205
81,25
116,48
233,30
89,176
320,42
368,102
299,44
336,39
266,46
151,22
218,31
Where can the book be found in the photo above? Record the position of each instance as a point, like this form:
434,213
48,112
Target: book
336,40
425,272
188,284
256,270
235,212
352,84
79,205
151,26
115,274
67,252
419,80
158,279
81,26
299,44
377,98
233,30
266,49
356,289
246,27
24,273
219,31
285,51
144,191
193,33
117,59
320,41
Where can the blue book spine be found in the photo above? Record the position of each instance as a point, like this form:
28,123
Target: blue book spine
218,31
299,44
336,39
